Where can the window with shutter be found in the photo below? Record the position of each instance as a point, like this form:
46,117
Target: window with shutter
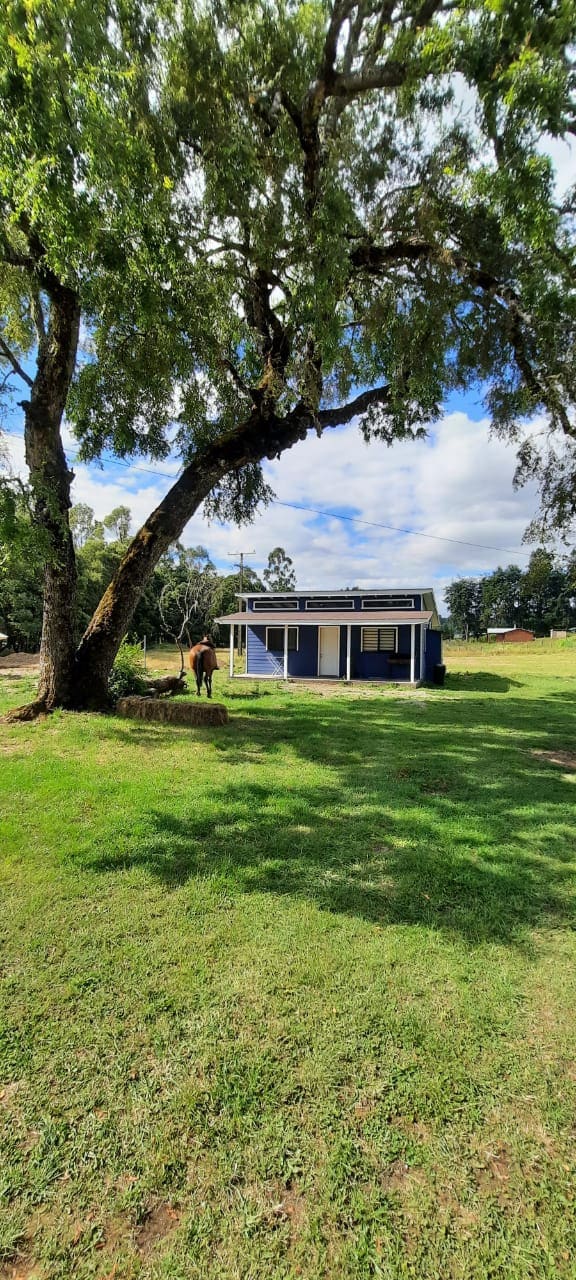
379,639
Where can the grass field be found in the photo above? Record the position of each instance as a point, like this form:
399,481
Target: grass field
294,997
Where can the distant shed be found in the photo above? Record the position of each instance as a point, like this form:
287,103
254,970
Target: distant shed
511,635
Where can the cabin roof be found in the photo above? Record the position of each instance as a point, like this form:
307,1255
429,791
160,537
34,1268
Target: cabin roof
327,618
350,591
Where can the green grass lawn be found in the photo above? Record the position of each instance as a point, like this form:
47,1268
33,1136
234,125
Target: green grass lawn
294,997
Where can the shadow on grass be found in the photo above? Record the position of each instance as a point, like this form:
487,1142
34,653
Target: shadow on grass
432,814
480,682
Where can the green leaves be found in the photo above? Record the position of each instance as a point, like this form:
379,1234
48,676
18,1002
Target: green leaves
207,179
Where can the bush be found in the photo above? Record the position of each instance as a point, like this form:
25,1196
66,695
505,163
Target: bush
127,676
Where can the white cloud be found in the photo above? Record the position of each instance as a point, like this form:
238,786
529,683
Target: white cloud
455,485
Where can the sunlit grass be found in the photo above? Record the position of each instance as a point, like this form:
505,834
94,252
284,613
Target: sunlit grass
294,997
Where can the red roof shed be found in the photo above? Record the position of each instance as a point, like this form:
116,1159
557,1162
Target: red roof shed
512,635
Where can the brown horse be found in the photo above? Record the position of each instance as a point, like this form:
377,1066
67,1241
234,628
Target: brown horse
203,662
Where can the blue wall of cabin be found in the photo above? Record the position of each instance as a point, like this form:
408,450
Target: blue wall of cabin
303,662
433,652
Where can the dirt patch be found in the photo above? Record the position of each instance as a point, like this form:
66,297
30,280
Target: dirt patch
565,759
493,1174
436,786
291,1208
396,1175
8,1092
23,1270
158,1223
412,1128
19,663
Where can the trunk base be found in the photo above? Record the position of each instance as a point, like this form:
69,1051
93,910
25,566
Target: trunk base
23,715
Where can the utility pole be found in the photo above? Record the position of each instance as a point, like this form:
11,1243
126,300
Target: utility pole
240,565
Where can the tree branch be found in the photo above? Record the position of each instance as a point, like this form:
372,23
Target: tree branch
11,358
38,315
238,379
389,76
340,13
426,12
344,413
373,258
275,344
12,257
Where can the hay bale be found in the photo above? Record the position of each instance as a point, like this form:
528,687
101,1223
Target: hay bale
188,713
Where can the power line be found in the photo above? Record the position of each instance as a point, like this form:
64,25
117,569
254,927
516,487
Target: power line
332,515
413,533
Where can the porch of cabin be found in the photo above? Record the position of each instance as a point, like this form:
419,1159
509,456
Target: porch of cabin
397,653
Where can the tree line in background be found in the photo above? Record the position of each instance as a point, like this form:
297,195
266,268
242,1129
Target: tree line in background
541,597
181,599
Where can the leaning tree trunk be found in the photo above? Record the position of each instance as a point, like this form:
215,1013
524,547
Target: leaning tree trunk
51,480
258,437
262,435
104,634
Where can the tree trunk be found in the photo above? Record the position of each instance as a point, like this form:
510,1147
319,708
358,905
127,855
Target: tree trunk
262,435
258,437
107,628
51,480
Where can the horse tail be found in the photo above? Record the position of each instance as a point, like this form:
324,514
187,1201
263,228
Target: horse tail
200,665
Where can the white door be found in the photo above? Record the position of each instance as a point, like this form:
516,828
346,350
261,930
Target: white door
328,651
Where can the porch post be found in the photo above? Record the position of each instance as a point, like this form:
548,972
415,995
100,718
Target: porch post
412,654
285,653
422,636
348,651
231,650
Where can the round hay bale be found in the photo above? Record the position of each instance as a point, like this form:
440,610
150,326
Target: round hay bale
187,713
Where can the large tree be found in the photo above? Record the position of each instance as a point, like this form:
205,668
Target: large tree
279,574
464,600
274,219
85,223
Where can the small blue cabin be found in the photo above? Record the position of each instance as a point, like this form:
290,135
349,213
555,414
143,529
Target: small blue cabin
352,635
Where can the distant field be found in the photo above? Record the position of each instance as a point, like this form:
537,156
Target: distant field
294,997
534,657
